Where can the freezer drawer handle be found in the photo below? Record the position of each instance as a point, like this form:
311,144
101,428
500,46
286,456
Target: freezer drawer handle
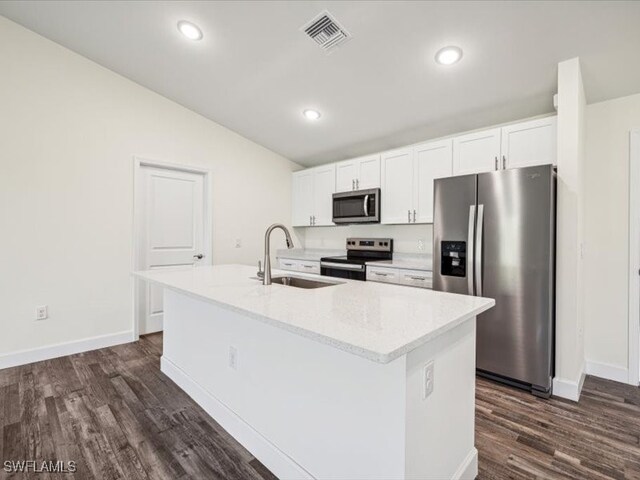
470,250
478,252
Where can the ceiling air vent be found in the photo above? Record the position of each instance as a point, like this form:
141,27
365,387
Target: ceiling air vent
326,32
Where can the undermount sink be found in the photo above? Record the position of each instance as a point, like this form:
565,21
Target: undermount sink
300,282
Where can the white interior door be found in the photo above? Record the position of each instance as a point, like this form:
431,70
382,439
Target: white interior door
172,232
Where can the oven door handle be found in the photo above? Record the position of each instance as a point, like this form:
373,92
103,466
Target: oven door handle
342,266
366,205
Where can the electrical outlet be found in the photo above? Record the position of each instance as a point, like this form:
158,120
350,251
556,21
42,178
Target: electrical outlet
233,357
238,243
42,312
427,375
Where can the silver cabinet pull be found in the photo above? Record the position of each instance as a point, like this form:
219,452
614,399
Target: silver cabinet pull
418,278
470,248
310,220
199,256
314,219
366,205
478,253
353,184
380,274
414,216
496,158
408,216
357,184
307,266
504,162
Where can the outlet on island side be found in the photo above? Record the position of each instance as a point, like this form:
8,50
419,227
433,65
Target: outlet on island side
42,312
233,357
427,375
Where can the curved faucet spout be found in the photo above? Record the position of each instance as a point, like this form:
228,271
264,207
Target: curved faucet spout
266,279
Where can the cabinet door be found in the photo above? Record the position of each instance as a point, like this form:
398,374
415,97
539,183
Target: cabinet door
476,152
324,186
288,264
529,143
368,172
302,198
346,175
381,274
397,186
431,160
416,278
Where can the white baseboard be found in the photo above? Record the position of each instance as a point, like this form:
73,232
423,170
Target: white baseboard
610,372
469,468
569,389
271,457
24,357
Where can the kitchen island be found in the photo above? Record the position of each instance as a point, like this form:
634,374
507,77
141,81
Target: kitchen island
327,383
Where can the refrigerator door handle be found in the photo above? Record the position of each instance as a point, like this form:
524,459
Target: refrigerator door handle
478,252
470,249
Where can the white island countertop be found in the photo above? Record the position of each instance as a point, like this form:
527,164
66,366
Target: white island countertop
380,322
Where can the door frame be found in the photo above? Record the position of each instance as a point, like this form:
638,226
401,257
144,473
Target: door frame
138,164
634,257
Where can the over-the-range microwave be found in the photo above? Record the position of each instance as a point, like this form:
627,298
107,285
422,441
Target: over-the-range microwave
360,206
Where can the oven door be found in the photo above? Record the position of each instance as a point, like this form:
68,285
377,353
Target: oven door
362,206
351,271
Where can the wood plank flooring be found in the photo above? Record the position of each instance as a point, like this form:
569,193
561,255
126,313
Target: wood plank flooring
118,417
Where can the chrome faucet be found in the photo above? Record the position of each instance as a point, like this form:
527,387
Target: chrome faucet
266,274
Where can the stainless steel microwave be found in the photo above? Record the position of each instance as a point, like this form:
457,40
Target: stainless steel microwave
360,206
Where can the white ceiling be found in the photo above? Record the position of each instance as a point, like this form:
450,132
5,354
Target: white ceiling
255,71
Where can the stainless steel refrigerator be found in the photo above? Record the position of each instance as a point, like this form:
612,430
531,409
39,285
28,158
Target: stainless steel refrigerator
494,236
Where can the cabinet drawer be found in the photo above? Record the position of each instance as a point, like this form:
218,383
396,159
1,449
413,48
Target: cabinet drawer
287,264
306,266
381,274
416,278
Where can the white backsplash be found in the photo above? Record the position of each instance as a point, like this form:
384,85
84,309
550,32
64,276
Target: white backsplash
406,238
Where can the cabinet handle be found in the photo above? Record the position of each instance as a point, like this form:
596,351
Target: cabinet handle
307,266
357,184
381,274
314,219
408,216
418,278
310,220
504,162
496,163
353,184
414,216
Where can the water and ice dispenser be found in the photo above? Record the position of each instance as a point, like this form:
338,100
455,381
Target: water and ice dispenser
454,259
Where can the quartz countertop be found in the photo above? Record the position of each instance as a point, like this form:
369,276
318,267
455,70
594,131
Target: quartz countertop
310,254
407,261
379,322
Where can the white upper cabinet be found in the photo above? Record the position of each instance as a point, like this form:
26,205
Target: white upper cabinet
302,198
312,191
476,152
529,143
358,174
368,172
324,186
346,174
431,160
397,186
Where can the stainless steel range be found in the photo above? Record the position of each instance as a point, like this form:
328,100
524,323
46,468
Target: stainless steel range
359,252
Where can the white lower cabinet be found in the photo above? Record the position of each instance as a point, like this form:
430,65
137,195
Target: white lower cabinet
305,266
400,276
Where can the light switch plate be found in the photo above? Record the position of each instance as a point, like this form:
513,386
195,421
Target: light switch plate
42,312
427,375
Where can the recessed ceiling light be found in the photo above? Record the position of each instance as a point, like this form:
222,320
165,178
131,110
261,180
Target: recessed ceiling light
311,114
189,30
449,55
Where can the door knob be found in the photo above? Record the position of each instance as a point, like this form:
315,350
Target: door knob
198,256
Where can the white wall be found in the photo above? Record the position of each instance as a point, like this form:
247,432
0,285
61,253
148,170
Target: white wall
406,238
569,318
68,131
606,227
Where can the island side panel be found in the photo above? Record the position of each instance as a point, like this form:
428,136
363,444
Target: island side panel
332,414
440,427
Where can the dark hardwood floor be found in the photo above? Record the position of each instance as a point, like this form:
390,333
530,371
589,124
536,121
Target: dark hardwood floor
117,416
